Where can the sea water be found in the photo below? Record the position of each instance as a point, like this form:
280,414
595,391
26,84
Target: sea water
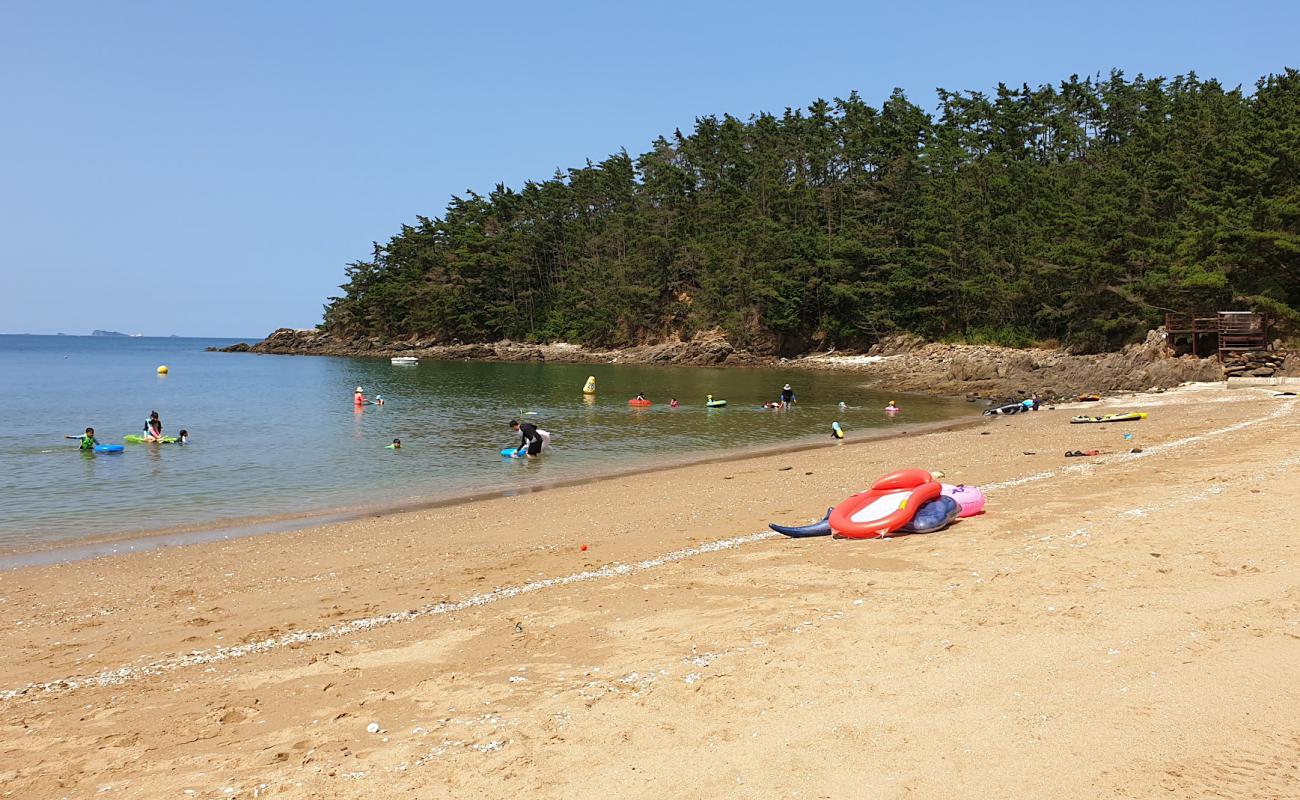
279,435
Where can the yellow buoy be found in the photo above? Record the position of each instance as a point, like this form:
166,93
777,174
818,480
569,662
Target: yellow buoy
590,387
162,370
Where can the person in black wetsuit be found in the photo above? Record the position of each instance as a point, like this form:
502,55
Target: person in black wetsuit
531,438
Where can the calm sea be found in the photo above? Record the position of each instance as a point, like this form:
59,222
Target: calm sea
274,435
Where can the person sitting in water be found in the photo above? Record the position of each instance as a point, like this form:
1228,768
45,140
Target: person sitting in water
892,408
88,440
673,403
396,445
153,415
532,438
787,397
153,432
183,438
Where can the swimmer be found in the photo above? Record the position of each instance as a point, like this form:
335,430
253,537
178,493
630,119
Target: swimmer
88,440
843,405
892,408
183,438
396,445
359,397
674,404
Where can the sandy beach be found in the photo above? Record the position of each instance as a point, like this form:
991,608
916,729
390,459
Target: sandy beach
1125,625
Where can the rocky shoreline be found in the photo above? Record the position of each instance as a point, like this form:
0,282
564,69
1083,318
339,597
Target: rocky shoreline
707,349
908,363
902,363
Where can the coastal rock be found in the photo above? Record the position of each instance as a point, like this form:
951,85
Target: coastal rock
897,344
1254,364
985,371
970,367
461,351
899,362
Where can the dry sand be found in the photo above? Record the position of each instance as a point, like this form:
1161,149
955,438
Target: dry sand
1122,626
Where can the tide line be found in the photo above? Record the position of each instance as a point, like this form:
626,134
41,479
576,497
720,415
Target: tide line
120,675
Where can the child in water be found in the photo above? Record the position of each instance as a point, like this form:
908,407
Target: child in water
640,395
673,403
183,438
892,408
396,445
88,440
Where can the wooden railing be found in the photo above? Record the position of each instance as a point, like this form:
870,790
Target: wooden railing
1242,330
1233,331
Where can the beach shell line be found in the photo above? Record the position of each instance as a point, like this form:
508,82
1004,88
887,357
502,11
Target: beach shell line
120,675
123,674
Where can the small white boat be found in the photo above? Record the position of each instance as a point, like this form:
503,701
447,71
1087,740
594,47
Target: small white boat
405,361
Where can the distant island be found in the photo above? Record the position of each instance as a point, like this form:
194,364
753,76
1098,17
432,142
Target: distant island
107,333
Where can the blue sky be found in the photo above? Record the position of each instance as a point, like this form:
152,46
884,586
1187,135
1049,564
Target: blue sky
209,169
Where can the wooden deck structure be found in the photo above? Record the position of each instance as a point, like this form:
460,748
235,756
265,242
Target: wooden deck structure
1223,333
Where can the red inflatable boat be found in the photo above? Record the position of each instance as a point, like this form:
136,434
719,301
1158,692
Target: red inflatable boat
887,506
639,403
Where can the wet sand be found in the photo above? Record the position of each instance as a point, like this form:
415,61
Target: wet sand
1121,626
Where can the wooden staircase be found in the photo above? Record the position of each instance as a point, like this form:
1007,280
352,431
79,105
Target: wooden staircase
1226,332
1241,331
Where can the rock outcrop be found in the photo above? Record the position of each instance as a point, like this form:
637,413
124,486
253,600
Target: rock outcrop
902,362
709,348
1253,364
908,364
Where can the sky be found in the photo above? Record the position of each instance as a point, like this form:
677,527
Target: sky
208,169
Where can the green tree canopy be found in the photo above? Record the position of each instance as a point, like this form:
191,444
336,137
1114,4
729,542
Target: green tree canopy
1076,212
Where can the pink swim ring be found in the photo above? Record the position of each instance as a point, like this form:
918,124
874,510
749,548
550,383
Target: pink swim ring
970,498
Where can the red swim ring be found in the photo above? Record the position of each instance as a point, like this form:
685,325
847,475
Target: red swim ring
639,403
887,506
